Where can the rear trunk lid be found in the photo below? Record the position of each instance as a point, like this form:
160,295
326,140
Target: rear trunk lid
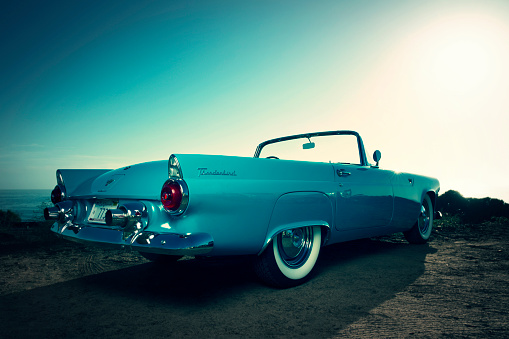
141,181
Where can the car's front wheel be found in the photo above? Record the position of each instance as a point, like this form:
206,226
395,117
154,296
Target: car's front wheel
421,231
290,257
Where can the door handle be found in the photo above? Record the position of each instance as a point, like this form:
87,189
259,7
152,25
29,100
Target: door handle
341,173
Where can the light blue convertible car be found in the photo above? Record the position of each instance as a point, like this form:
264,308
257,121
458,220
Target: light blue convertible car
297,194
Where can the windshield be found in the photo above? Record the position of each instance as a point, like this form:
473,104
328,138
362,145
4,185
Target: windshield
329,148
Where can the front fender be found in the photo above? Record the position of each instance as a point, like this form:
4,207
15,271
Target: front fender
300,209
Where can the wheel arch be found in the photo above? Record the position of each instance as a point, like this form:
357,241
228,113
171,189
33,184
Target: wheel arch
324,227
300,209
433,196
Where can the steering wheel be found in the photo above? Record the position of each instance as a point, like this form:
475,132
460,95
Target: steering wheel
272,157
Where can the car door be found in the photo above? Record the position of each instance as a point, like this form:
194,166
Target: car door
364,197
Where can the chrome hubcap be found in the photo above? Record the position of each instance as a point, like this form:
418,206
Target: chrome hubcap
295,246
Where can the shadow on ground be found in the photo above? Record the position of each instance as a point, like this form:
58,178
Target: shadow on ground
198,298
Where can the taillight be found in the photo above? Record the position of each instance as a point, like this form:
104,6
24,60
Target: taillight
174,196
58,194
171,196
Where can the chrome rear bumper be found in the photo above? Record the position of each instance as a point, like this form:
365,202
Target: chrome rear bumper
161,243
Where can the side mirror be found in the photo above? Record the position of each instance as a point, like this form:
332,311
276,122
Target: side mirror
308,145
377,155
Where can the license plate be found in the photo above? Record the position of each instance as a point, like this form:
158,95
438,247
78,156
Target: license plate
98,213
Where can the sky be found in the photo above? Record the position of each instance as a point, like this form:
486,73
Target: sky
105,84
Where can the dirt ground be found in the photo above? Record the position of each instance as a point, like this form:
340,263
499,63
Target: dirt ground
455,286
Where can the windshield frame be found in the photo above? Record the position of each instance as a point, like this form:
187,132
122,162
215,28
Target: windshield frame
360,144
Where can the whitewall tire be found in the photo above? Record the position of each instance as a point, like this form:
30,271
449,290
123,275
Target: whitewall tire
290,257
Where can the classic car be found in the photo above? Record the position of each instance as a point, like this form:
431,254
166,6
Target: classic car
297,194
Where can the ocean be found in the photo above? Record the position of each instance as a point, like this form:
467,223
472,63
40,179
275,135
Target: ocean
28,204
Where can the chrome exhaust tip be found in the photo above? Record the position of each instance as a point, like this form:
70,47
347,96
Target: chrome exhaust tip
51,213
62,212
125,215
116,217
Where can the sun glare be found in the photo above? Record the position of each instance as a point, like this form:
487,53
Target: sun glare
464,53
461,66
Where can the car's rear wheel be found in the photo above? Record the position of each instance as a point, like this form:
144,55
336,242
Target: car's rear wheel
290,257
160,258
421,231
